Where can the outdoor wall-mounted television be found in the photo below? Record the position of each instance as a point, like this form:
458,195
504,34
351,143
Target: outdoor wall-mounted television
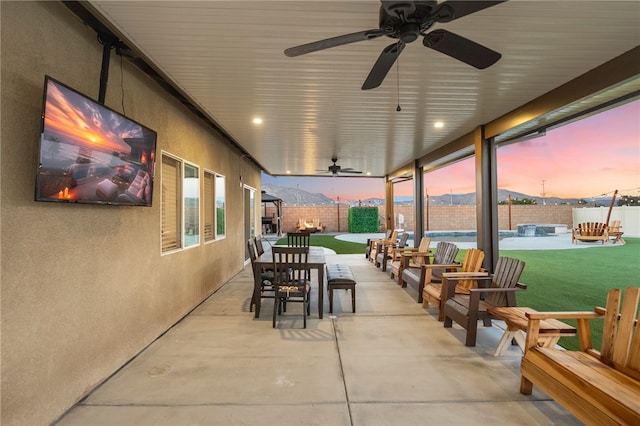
92,154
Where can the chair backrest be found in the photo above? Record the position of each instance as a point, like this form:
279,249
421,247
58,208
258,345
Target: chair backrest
425,242
402,242
592,229
387,234
615,226
251,248
298,239
620,333
290,264
445,253
259,246
506,275
472,262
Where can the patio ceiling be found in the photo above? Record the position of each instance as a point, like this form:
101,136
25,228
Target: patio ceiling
227,58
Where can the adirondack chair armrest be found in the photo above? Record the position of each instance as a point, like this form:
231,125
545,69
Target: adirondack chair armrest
518,287
451,281
417,253
441,265
463,276
562,315
476,293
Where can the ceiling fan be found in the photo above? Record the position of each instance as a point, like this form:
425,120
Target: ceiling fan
406,21
335,170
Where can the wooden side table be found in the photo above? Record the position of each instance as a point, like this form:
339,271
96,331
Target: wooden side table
516,321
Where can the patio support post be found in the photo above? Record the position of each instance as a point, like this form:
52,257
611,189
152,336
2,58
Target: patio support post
388,205
486,198
418,204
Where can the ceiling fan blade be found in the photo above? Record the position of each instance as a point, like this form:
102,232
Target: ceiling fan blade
456,9
382,66
350,171
333,42
461,48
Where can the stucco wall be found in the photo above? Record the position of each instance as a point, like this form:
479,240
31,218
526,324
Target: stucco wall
84,287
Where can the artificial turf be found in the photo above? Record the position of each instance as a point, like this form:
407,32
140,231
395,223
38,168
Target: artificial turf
578,279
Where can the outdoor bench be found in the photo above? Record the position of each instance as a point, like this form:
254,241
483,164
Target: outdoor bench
598,387
590,231
339,276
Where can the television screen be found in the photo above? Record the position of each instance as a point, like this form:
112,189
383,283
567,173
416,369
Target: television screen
92,154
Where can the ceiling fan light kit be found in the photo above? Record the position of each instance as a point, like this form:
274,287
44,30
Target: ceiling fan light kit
406,21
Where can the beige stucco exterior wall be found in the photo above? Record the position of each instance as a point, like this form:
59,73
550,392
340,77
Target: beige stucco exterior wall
85,287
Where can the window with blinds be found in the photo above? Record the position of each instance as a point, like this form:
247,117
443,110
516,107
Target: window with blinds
209,203
171,205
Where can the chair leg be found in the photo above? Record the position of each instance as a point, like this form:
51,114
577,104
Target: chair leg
472,332
330,299
276,308
304,314
353,299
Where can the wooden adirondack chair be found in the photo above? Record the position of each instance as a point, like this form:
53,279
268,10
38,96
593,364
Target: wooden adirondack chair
590,231
433,291
598,387
371,242
498,289
615,232
387,251
376,246
415,256
445,255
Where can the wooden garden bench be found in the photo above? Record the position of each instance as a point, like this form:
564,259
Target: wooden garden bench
590,231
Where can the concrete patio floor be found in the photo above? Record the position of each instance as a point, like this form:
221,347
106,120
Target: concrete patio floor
391,363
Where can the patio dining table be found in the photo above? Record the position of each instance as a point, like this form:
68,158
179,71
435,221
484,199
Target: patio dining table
316,261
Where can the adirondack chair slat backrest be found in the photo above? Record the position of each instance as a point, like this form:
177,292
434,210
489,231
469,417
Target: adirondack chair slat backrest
620,336
445,253
592,229
402,242
445,256
425,242
472,262
615,226
506,275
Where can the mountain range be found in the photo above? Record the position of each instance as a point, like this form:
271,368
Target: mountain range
299,197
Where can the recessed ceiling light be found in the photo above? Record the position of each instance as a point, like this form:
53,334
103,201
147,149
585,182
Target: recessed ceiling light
368,173
438,124
288,172
257,120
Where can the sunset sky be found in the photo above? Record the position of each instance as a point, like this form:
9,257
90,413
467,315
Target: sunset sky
584,159
75,119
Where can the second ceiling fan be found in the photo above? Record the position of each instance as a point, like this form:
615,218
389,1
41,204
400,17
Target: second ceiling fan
406,21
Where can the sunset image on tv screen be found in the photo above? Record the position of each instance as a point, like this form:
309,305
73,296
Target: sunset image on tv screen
92,154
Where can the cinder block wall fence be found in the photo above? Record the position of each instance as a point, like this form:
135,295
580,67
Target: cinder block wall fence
439,218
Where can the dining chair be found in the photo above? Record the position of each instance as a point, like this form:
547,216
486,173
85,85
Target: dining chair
298,239
258,242
291,284
266,277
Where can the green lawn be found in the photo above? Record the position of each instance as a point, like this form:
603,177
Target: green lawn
577,280
557,280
